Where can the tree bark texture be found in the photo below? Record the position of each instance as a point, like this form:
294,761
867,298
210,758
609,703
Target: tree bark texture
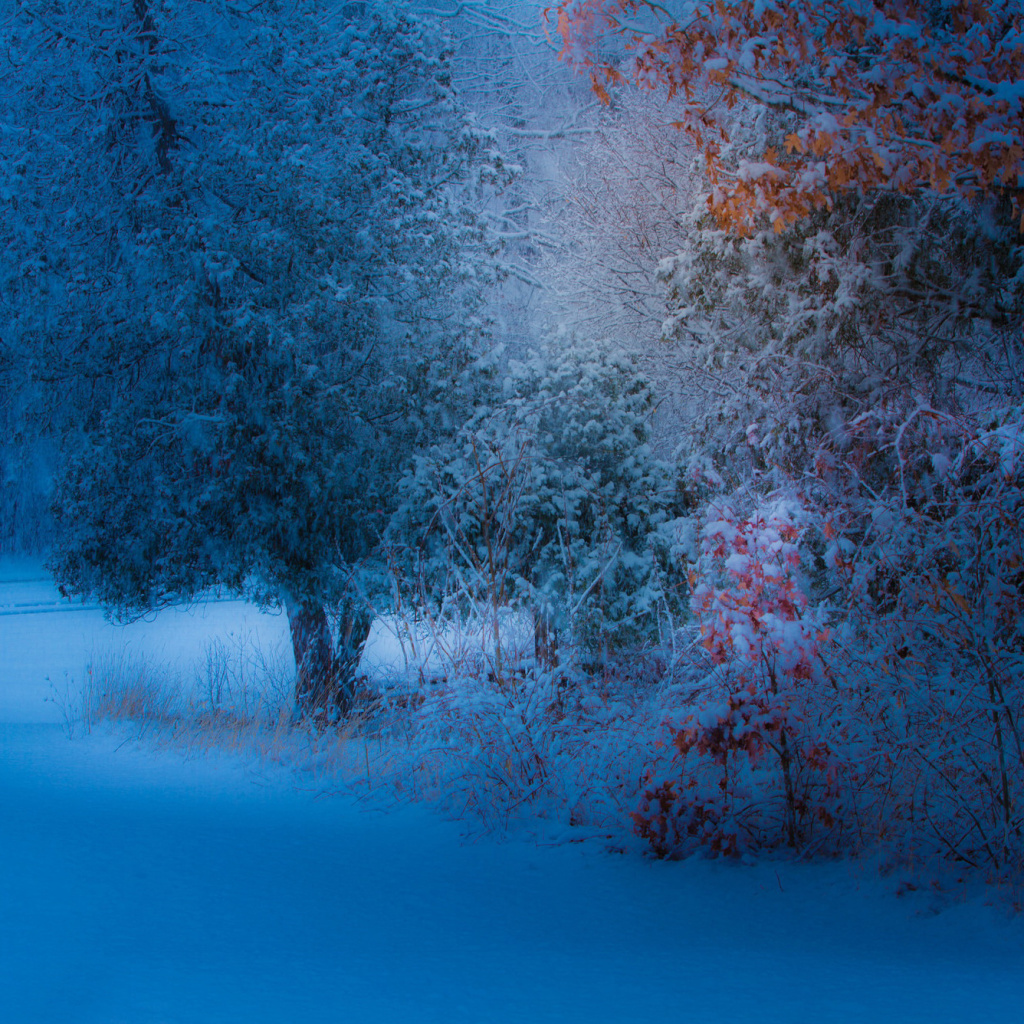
325,673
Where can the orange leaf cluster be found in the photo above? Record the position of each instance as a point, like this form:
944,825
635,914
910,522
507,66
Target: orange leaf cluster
894,94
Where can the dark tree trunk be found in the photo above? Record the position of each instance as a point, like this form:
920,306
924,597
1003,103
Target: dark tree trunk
545,640
165,128
315,662
354,630
325,674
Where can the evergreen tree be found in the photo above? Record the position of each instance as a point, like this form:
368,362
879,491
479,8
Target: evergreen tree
259,290
554,501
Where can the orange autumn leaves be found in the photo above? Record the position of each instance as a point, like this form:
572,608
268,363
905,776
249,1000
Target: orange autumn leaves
891,94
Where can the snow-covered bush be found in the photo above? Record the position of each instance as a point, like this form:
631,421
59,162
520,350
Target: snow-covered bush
863,364
869,658
755,761
565,749
552,499
932,577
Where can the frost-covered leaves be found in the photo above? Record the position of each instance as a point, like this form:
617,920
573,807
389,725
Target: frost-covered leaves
899,95
874,305
756,765
758,615
554,499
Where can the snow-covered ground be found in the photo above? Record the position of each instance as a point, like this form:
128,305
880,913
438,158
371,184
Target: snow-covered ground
141,887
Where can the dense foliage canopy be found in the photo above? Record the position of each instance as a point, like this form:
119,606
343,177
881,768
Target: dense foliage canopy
897,94
245,274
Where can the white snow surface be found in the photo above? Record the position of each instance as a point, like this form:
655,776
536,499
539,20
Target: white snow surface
141,886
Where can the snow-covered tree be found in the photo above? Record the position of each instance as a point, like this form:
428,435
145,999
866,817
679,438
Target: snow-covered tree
882,303
552,500
828,273
846,301
893,94
252,261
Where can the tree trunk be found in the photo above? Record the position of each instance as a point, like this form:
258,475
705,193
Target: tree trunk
165,127
325,674
545,640
315,663
354,629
